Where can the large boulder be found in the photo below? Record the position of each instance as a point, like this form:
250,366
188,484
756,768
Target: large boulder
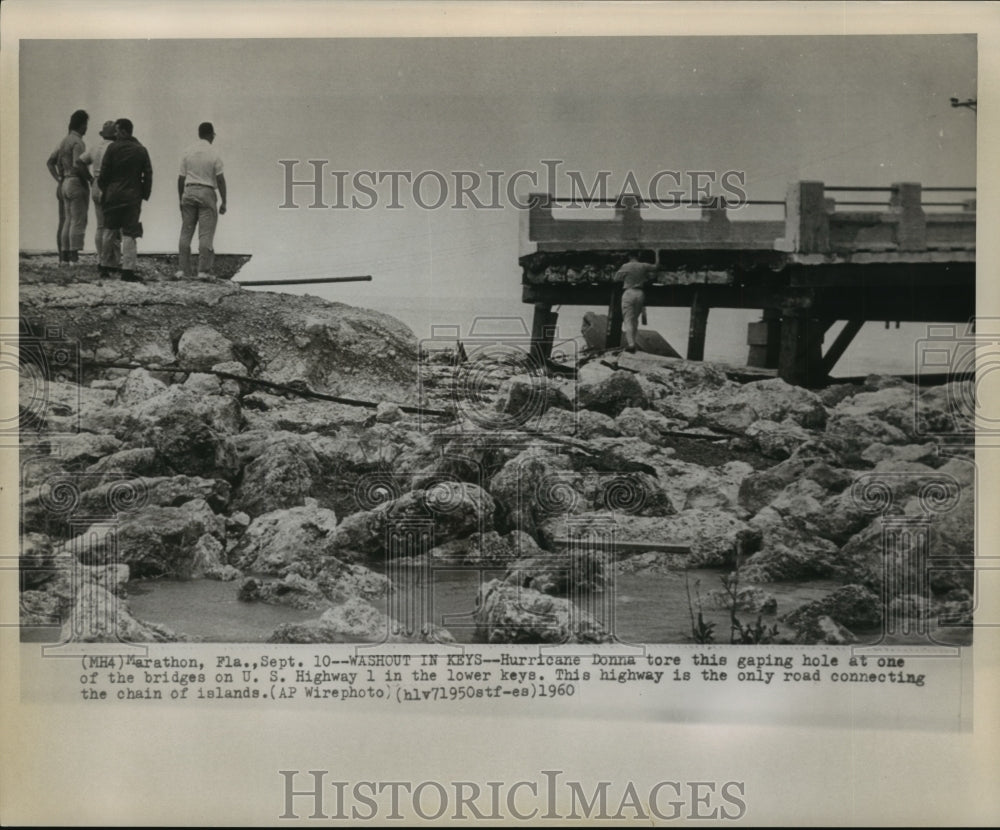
124,494
284,473
292,590
788,551
523,398
584,424
155,541
138,387
694,486
304,537
685,376
776,440
511,614
488,549
853,606
950,529
454,509
99,617
573,572
221,412
356,621
646,424
609,391
138,461
39,560
531,487
948,409
201,347
94,609
811,462
892,405
187,445
776,400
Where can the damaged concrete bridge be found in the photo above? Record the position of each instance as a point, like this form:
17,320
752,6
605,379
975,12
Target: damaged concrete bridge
899,253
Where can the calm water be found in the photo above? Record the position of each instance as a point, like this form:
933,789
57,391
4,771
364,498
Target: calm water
649,608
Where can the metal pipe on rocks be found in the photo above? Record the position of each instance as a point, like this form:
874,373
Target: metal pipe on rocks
310,281
301,391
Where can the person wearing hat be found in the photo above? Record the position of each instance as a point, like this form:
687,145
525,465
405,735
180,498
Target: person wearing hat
199,176
109,256
72,188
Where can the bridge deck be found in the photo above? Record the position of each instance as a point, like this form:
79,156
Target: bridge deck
910,257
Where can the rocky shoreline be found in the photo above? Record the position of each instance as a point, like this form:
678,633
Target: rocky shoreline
186,467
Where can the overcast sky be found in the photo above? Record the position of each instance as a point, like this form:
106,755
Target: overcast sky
846,110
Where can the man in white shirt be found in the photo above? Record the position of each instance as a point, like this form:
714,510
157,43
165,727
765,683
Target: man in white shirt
109,256
200,175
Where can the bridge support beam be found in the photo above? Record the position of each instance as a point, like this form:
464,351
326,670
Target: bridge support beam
543,328
698,328
839,346
800,357
764,340
615,320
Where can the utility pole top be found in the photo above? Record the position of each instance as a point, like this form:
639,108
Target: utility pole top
968,102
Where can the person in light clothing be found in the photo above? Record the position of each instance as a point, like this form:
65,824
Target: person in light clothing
109,256
633,275
73,189
199,177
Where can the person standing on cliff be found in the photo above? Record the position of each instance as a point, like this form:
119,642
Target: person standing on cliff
109,257
126,181
73,188
199,177
633,275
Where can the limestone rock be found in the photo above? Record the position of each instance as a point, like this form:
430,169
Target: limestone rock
853,606
137,462
98,616
456,509
568,572
388,413
510,614
203,383
201,347
356,621
138,387
188,445
208,556
609,391
292,590
156,540
281,538
776,440
283,474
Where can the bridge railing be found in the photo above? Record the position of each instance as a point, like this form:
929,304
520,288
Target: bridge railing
626,227
897,218
816,223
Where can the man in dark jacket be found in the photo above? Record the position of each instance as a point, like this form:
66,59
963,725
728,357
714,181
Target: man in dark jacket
126,180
